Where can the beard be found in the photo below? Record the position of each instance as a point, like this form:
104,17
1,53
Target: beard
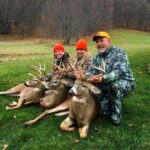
101,49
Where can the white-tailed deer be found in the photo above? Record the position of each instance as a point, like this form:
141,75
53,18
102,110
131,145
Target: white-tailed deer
29,92
17,90
57,93
56,98
84,106
32,94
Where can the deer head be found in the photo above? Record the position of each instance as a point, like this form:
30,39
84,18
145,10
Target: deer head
40,79
82,88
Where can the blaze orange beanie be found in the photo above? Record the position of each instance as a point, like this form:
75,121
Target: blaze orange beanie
58,47
81,44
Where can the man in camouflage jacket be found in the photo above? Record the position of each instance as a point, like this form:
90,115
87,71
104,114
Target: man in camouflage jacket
117,80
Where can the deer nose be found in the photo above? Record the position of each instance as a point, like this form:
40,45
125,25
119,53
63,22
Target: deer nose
25,84
71,92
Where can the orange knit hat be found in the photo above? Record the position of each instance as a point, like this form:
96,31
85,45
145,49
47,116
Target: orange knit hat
58,47
81,44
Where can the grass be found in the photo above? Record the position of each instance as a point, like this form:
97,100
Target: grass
134,131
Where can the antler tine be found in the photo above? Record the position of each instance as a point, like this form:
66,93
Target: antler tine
98,68
103,69
75,61
36,68
73,65
56,66
42,68
32,75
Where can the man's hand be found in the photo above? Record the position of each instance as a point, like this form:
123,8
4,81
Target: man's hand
95,79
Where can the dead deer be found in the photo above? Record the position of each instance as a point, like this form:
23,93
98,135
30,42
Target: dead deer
83,108
57,93
17,90
31,92
56,98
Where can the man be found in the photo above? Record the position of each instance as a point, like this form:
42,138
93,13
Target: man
117,80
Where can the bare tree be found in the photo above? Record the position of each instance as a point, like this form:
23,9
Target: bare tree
71,19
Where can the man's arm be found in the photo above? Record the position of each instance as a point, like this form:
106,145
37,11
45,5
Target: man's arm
120,67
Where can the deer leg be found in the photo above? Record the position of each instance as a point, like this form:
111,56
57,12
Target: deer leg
15,91
84,131
12,104
27,103
62,113
15,103
66,125
19,104
60,107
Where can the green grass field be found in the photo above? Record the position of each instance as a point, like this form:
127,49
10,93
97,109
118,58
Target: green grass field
132,134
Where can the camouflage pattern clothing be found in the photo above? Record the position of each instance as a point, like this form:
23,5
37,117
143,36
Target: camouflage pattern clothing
118,80
82,64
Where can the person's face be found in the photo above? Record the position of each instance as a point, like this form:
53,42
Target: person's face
59,54
80,52
102,44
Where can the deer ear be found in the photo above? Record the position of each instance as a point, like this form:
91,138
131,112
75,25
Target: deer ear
94,89
67,83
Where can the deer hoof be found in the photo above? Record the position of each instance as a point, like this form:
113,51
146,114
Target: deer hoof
7,108
25,125
83,136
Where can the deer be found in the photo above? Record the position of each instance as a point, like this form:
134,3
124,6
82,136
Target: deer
56,98
32,92
17,90
83,106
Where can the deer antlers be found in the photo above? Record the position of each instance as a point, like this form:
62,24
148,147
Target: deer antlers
40,69
78,69
102,69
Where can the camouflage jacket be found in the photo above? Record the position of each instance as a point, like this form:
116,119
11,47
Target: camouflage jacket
82,63
116,65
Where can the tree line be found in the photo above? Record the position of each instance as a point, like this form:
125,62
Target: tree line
70,19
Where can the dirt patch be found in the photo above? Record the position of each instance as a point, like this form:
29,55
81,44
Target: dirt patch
14,56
